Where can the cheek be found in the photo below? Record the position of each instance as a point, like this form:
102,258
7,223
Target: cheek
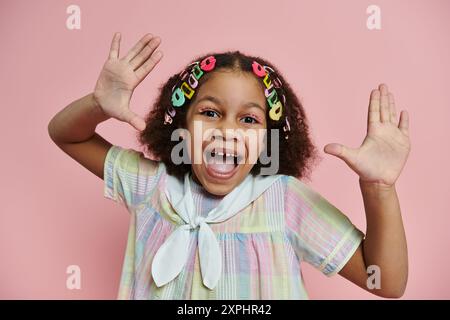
255,143
199,135
197,128
261,144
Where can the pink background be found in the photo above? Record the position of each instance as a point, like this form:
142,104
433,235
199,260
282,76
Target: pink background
53,213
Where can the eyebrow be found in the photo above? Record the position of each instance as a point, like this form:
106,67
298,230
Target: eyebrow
217,101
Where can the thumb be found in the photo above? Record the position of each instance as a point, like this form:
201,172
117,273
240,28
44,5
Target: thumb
133,119
342,152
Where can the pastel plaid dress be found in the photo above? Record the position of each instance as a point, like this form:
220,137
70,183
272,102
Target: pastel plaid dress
262,246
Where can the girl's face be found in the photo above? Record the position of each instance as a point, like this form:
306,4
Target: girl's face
224,110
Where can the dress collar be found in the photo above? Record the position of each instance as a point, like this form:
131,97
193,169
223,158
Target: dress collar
171,257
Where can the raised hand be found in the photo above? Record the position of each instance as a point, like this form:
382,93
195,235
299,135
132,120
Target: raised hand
385,149
120,76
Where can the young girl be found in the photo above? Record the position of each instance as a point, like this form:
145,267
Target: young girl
207,221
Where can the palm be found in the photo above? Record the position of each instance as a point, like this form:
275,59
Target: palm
120,76
384,151
115,86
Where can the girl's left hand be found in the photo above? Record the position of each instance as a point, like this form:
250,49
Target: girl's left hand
385,149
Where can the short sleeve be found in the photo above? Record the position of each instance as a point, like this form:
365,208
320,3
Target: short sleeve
128,176
320,233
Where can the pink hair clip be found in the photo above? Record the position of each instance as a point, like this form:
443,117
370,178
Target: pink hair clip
167,119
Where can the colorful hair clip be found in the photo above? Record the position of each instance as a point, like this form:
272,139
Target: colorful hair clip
183,74
258,69
275,105
208,63
167,118
169,114
178,98
171,111
275,79
272,82
197,72
275,111
286,128
189,78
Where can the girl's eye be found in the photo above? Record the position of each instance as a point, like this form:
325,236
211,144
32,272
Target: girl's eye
249,120
209,113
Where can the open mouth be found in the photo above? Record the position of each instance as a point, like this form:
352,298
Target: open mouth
222,163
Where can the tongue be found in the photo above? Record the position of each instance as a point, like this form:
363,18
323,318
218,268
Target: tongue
219,165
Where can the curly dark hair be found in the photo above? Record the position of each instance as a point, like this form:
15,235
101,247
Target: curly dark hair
297,154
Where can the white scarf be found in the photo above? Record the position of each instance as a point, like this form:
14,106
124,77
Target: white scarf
171,257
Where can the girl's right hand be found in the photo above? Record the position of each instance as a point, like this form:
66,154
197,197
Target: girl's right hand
119,78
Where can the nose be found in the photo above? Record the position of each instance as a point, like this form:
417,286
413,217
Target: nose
228,130
230,137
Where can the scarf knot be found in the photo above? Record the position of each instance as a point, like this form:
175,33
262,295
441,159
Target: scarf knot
198,220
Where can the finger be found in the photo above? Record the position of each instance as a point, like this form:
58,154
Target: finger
133,119
115,46
374,107
404,122
143,55
392,109
138,46
345,153
384,104
148,66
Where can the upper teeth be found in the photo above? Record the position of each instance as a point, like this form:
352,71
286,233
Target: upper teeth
219,153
